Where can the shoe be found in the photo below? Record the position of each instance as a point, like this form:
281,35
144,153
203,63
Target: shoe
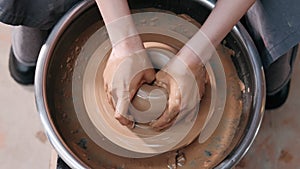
21,73
278,99
61,164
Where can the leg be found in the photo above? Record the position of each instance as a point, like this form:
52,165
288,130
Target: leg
278,76
26,45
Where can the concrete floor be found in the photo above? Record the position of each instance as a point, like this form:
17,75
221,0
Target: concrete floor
277,144
23,144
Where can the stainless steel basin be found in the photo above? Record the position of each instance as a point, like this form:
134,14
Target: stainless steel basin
53,81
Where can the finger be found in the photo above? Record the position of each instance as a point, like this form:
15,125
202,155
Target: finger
165,81
166,118
122,104
162,76
167,125
110,100
135,84
109,96
173,103
124,121
169,114
149,75
146,76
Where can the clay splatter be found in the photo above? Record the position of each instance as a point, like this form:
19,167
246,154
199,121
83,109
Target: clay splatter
82,143
208,153
285,156
40,135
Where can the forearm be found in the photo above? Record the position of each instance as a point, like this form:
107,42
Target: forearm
120,26
223,17
112,10
218,24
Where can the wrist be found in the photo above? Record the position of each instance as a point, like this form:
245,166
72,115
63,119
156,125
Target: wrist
122,29
128,46
191,61
200,48
190,58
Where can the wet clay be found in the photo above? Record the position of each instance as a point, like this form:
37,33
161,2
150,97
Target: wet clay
122,76
141,133
148,104
196,155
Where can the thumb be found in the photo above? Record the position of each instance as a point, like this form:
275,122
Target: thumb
121,112
149,75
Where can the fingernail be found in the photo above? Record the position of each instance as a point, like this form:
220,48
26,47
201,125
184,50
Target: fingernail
117,115
177,101
132,126
164,86
177,94
161,83
130,117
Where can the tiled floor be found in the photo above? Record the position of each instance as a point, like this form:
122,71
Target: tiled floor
23,145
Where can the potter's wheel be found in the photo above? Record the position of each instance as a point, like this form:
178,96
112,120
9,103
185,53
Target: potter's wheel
161,45
73,106
141,139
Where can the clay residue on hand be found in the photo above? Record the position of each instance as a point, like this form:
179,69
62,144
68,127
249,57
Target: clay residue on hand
123,77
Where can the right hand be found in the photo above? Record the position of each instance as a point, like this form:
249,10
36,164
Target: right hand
126,70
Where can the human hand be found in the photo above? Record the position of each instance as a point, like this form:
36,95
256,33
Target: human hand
126,70
184,80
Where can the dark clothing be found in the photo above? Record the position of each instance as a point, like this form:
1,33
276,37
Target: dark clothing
273,24
275,27
42,14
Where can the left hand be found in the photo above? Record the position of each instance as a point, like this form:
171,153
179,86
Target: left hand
185,85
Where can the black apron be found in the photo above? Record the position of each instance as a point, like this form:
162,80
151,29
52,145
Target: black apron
274,26
41,14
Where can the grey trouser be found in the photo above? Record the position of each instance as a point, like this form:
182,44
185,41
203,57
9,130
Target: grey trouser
278,74
36,18
27,42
